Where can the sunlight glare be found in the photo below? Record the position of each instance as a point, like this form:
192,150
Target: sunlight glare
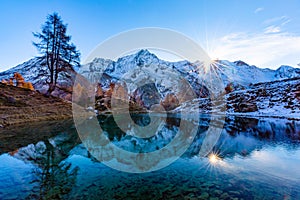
213,158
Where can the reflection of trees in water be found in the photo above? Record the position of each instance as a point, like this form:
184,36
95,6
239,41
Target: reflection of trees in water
54,177
108,124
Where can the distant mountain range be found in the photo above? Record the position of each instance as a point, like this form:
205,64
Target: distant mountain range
146,66
237,72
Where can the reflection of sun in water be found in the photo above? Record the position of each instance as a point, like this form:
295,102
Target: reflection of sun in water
216,160
213,163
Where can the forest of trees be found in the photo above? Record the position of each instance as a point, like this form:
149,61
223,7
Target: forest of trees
55,45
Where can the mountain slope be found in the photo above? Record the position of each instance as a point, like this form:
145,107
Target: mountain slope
106,71
151,80
163,77
19,106
244,74
35,71
270,99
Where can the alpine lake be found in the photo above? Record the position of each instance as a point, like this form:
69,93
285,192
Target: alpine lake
253,158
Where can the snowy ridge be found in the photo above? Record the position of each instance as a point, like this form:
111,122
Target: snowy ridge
237,72
280,99
30,70
161,76
246,99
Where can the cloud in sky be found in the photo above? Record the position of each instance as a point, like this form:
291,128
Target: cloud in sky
260,49
270,47
259,9
272,29
282,20
274,25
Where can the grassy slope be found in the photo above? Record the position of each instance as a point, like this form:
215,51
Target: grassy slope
19,106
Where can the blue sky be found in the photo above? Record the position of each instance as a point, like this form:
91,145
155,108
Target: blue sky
265,33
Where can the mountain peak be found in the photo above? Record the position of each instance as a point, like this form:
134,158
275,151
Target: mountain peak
144,53
240,63
285,67
141,57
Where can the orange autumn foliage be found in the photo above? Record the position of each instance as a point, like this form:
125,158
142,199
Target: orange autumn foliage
28,85
19,82
4,82
99,91
170,102
109,92
11,81
19,79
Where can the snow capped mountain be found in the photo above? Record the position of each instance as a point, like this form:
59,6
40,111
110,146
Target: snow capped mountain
243,74
287,72
30,70
279,99
116,69
254,88
146,67
35,71
237,72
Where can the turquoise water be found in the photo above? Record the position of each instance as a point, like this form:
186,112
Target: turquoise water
256,159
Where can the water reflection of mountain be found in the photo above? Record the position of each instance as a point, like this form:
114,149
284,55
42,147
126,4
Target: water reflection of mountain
239,136
244,135
49,153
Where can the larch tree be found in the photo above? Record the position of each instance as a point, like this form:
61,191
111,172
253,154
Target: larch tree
55,45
